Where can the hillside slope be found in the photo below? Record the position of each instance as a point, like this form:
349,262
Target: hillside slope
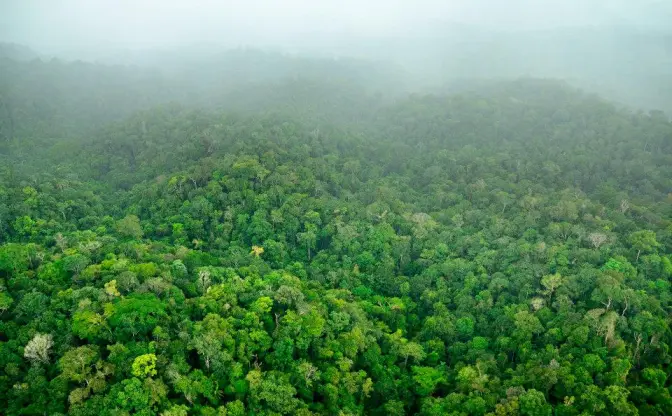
499,252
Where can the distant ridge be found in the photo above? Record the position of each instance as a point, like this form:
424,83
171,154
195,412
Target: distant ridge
17,52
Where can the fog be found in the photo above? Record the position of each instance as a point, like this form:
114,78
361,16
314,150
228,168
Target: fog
155,23
620,48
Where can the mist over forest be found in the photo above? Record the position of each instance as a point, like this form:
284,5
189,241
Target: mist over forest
335,208
619,50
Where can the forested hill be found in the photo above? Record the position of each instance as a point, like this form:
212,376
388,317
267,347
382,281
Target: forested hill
502,251
56,98
16,52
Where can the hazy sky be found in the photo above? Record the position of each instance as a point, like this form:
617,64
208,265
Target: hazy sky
146,23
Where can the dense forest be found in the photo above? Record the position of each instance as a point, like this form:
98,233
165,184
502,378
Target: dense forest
275,235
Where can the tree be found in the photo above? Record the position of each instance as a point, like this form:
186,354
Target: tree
14,258
204,280
257,251
137,314
533,403
527,325
427,379
5,302
129,226
177,410
597,239
643,241
465,327
38,349
308,240
277,394
111,288
550,283
78,365
76,263
144,366
88,324
471,378
212,341
138,397
405,348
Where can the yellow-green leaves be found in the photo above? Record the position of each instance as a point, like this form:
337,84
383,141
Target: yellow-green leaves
111,288
144,366
129,226
257,251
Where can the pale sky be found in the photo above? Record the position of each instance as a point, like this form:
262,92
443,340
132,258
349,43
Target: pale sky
147,23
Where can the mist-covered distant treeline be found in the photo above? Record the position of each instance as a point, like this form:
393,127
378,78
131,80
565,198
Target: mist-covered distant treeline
631,67
59,97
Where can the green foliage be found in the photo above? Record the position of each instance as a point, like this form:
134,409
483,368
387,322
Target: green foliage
533,403
129,226
643,241
505,252
427,379
144,366
136,315
14,258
